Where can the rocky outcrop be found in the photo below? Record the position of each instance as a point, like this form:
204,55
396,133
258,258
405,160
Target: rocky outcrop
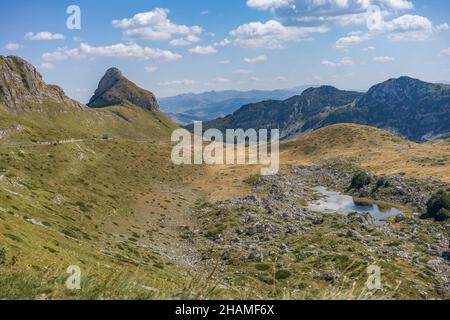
115,89
23,89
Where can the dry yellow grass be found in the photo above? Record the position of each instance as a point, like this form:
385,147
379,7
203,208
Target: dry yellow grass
377,151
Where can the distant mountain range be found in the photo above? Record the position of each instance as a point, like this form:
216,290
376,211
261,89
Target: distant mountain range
409,107
189,107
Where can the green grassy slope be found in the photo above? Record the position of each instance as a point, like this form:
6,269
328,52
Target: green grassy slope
72,203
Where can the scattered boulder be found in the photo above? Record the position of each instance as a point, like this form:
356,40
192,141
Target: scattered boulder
364,218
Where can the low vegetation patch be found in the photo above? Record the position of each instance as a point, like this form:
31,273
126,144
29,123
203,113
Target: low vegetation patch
438,207
360,180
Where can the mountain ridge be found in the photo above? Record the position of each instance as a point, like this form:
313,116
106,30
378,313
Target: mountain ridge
409,107
22,88
189,107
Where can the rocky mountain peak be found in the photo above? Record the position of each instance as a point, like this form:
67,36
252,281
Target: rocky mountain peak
115,89
23,89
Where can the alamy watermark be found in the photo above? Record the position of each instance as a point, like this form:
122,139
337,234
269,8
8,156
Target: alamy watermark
374,279
73,282
235,147
73,22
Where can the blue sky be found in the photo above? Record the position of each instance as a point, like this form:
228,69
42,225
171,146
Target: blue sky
177,46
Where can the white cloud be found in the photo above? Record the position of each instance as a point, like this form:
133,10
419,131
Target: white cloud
179,42
242,71
383,59
327,12
225,42
63,53
225,62
151,69
186,82
190,39
442,27
221,80
344,62
256,59
254,79
203,50
46,66
43,36
271,34
370,48
129,50
281,78
351,39
267,4
445,52
13,46
404,28
154,25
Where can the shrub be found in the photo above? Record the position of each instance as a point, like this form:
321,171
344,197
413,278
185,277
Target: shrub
262,266
282,274
442,215
382,182
360,180
438,207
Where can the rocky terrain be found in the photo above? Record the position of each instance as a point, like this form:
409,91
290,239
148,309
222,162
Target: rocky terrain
22,88
115,89
271,232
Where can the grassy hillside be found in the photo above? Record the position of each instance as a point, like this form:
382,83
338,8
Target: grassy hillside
79,202
376,150
141,228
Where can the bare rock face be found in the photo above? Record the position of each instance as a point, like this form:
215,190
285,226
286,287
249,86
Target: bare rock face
115,89
23,89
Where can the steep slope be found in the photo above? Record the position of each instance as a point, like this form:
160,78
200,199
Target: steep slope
292,116
115,89
22,88
68,197
412,108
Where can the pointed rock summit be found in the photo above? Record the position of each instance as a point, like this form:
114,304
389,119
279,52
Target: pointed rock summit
115,89
23,89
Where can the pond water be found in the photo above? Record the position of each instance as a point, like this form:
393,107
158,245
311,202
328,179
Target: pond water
336,202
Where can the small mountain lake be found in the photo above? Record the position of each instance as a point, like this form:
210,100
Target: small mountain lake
336,202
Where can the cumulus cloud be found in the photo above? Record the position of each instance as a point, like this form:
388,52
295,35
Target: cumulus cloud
444,52
319,12
383,59
404,28
271,34
155,25
344,62
151,69
221,80
203,50
185,82
129,50
242,71
256,59
12,46
41,36
267,4
179,42
46,66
